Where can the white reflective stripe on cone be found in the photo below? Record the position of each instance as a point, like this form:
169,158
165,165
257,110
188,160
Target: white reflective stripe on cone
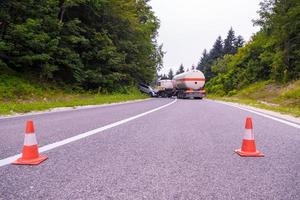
30,140
248,134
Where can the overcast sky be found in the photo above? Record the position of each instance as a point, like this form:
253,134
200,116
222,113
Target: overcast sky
190,26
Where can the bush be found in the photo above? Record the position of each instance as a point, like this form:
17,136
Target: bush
233,92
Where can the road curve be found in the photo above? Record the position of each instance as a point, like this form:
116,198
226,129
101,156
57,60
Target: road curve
182,151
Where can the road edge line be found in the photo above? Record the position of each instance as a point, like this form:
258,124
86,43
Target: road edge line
261,114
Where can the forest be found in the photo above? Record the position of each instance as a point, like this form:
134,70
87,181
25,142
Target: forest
108,45
272,54
102,45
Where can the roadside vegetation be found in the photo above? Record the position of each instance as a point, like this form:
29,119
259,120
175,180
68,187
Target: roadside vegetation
283,98
19,95
265,71
75,52
94,45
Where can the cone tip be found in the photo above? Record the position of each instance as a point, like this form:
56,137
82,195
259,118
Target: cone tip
29,126
248,124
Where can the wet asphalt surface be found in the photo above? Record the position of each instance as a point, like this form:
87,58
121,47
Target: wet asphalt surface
183,151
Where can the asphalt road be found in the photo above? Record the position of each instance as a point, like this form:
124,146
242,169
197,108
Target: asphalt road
181,151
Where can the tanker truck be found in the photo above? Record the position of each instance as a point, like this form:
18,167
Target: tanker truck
189,85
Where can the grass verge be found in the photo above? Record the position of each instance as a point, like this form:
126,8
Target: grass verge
268,95
18,95
8,108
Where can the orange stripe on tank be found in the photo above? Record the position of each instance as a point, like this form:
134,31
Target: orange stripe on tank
191,79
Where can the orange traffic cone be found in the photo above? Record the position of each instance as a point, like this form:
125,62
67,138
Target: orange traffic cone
30,153
248,147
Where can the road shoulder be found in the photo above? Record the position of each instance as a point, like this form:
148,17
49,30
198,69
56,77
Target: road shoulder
260,110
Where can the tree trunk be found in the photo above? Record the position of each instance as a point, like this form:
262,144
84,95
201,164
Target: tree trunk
61,10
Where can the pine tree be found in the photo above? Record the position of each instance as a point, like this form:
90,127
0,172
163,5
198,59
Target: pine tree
217,50
203,60
180,70
229,47
171,74
208,59
239,42
164,77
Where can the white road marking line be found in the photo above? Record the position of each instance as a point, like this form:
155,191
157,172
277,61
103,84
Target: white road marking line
262,114
7,161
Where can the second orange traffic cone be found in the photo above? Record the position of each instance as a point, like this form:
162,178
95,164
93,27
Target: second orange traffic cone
248,146
30,153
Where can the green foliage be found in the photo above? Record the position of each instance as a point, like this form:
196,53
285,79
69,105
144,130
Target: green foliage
272,53
207,63
170,74
292,92
91,44
256,90
274,94
280,21
180,70
15,88
232,43
269,95
20,95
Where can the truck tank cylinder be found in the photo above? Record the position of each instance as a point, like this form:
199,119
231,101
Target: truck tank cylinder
191,80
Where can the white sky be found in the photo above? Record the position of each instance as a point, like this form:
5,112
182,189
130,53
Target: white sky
190,26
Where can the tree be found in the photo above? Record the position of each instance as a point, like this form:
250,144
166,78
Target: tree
164,77
229,47
217,50
171,74
208,59
280,20
180,70
204,61
272,53
239,42
82,43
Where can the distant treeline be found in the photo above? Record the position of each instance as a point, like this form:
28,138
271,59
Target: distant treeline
220,48
94,44
272,54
